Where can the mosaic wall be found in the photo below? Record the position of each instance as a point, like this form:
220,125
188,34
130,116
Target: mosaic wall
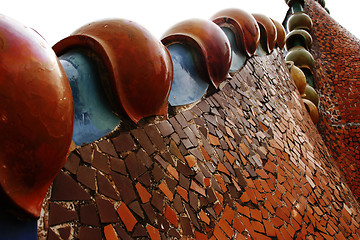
337,73
245,162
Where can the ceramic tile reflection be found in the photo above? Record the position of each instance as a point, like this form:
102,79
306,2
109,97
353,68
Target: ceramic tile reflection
189,84
93,116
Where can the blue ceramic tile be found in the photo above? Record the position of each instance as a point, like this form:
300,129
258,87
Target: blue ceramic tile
189,85
93,115
238,58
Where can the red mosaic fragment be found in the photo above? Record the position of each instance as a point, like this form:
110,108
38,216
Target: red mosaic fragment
226,227
171,216
126,216
143,193
164,188
153,232
109,232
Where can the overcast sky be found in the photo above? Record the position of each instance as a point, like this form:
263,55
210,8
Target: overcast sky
55,20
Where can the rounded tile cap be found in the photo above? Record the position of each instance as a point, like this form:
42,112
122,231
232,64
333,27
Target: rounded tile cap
312,110
138,67
299,20
311,94
298,37
298,76
280,34
36,117
211,43
291,2
301,58
244,26
268,33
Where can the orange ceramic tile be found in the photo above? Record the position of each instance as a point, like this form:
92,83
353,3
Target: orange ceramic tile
207,182
228,214
200,236
203,216
222,168
173,172
238,225
205,154
244,148
218,208
164,188
213,140
191,160
226,227
269,228
153,232
144,195
218,233
230,157
221,182
256,214
171,216
109,233
183,193
196,187
126,216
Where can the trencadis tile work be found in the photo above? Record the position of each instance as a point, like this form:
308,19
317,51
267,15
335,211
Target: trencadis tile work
337,72
245,162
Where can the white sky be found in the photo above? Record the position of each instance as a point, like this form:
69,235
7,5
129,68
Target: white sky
55,20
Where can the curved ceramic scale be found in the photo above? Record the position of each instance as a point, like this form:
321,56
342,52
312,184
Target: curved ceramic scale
298,37
188,83
36,122
138,68
268,34
301,58
238,57
280,34
299,20
243,25
93,115
209,41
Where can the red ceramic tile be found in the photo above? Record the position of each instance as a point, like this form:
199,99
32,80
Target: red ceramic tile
127,217
153,232
230,157
173,172
223,169
226,228
191,160
183,193
200,236
143,193
213,140
171,216
229,214
110,233
204,217
196,187
218,233
164,188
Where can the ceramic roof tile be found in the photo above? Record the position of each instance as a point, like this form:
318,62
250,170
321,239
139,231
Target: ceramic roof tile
261,166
